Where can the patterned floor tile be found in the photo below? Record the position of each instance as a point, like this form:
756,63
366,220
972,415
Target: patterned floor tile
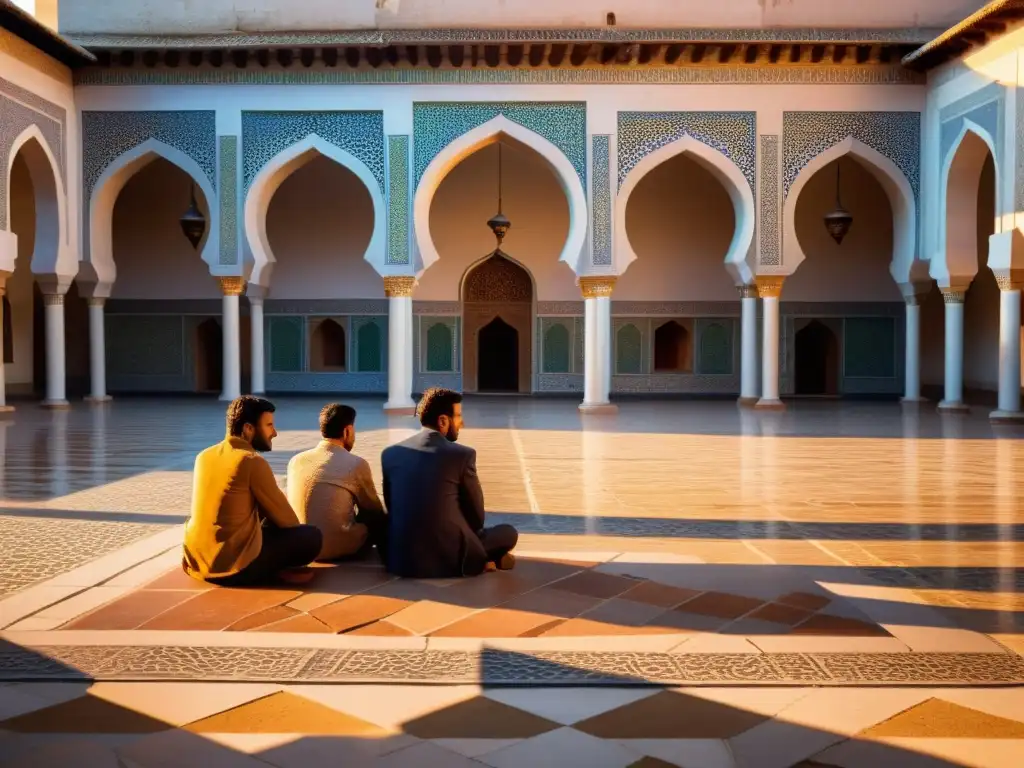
479,718
284,712
661,595
936,718
923,753
561,748
720,605
425,616
594,584
475,747
497,622
838,626
671,715
267,616
173,749
300,751
217,609
389,706
568,705
424,755
705,753
382,628
358,610
180,703
86,714
302,623
81,752
132,611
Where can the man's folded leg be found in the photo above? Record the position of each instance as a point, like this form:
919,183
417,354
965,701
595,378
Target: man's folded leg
499,541
377,525
283,548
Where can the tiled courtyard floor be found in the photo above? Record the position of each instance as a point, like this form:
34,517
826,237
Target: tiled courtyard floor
840,584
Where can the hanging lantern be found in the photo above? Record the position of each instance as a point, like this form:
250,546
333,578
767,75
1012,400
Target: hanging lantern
499,223
838,221
193,223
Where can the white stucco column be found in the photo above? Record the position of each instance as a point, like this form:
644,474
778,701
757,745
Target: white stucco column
97,352
913,295
952,401
769,288
1009,351
597,338
56,392
232,288
748,345
257,383
4,407
398,289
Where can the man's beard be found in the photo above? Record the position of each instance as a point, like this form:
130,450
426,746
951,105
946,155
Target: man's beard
452,435
260,445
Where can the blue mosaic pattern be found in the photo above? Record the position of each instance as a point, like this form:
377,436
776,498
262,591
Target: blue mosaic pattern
151,345
601,199
556,346
398,200
715,356
369,338
108,135
731,133
265,134
228,161
285,342
628,350
896,135
869,347
440,357
438,124
770,221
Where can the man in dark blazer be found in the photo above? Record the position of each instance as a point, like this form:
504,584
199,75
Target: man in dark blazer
435,502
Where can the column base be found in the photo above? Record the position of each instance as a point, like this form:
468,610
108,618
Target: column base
747,402
598,409
914,401
55,405
950,406
769,405
1006,417
98,399
400,409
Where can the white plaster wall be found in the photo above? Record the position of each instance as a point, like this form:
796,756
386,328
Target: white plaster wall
533,201
181,16
153,258
319,224
858,269
20,284
680,222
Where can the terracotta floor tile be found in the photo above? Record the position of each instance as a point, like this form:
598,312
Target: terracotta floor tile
662,595
680,621
410,590
584,627
487,590
479,718
346,580
671,715
355,611
938,719
219,608
86,714
496,622
721,605
178,579
381,629
313,600
261,619
805,600
555,603
824,624
622,612
539,572
285,712
780,614
131,611
423,617
595,584
302,622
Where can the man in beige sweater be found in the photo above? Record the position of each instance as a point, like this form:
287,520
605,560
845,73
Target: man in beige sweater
326,485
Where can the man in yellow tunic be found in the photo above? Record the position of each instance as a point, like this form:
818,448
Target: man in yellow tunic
243,531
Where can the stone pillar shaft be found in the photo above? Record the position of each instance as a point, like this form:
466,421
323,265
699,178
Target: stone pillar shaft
1009,350
232,288
258,383
912,353
4,407
56,393
97,351
952,400
769,288
399,289
597,337
748,345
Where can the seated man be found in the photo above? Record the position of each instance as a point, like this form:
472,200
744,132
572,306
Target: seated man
242,531
435,503
327,483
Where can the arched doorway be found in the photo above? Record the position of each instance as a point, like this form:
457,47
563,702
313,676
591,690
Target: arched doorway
209,356
817,360
497,314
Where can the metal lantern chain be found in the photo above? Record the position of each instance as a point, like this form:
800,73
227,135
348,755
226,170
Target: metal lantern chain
499,223
193,223
838,222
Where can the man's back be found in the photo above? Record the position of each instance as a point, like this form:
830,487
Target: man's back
435,507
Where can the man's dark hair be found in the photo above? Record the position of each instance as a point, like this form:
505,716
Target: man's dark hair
246,409
435,403
334,418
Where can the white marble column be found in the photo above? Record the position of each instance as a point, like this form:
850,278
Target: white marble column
4,407
56,394
398,289
232,288
257,384
1009,351
97,352
597,338
748,345
769,288
952,401
912,350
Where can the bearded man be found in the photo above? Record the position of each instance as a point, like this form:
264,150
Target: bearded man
435,502
242,531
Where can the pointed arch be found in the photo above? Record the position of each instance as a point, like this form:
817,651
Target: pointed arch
897,189
476,139
108,187
51,253
958,194
730,177
272,176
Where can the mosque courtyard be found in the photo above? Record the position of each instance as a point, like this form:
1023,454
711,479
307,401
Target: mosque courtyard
838,584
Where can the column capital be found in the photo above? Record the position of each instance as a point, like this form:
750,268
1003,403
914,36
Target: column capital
770,286
255,292
53,299
398,286
953,295
1009,279
747,291
232,286
597,287
96,301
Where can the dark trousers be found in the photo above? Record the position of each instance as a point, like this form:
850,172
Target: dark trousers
282,548
376,523
498,541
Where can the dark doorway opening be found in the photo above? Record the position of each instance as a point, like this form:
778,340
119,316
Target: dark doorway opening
209,356
498,358
817,360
